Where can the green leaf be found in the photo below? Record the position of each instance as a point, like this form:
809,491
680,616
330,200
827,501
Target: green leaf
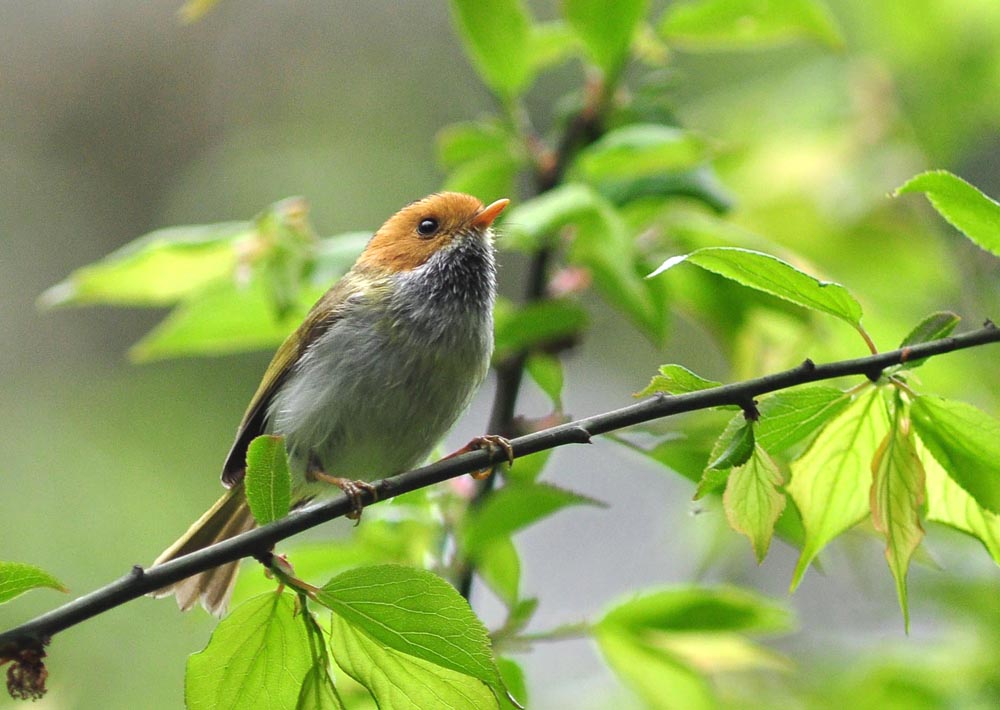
692,608
414,612
268,480
529,467
519,329
661,679
966,208
829,483
551,43
606,28
769,274
16,578
157,269
318,691
488,177
897,492
791,416
748,24
497,36
949,504
639,151
258,656
471,140
513,508
933,327
753,501
676,379
498,563
966,442
400,681
733,448
513,678
547,372
700,183
222,319
532,224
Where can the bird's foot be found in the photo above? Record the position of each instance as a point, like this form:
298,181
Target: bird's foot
354,490
490,442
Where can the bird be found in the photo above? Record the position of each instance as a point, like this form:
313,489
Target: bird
374,377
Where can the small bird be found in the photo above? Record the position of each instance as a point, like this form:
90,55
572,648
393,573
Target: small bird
377,373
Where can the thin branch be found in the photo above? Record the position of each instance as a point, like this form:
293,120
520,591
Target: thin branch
36,633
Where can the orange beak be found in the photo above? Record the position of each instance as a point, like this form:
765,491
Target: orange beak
484,218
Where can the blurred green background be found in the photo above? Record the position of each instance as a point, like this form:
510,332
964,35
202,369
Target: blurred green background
117,119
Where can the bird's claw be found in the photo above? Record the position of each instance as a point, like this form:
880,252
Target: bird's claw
490,442
353,489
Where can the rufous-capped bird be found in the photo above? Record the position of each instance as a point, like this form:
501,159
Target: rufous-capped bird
377,373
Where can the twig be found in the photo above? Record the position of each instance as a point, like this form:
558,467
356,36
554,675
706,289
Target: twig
34,634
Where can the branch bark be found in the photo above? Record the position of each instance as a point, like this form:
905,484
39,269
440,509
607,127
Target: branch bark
35,634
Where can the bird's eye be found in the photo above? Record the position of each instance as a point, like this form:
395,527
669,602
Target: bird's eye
427,227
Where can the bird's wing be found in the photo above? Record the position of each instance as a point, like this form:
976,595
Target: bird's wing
328,310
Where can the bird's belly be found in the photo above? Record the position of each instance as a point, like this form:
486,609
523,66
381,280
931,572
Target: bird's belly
366,405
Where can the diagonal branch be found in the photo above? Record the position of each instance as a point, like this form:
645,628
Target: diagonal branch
36,633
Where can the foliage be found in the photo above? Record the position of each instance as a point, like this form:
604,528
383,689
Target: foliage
626,195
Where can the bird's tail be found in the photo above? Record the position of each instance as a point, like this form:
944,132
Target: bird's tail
229,517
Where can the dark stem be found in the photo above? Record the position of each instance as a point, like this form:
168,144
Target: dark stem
34,634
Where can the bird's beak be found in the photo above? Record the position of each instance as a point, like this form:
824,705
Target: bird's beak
484,218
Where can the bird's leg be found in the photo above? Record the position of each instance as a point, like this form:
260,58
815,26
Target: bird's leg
352,489
490,442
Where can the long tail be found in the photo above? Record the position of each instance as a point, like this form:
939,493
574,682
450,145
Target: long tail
229,517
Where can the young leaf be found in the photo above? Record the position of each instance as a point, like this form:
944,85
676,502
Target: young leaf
268,480
551,43
157,269
496,34
733,448
748,24
471,140
676,379
16,578
400,681
966,208
949,504
639,150
788,417
499,565
753,501
606,27
318,691
258,656
513,508
546,371
416,613
513,678
933,327
897,492
966,442
769,274
532,223
830,481
518,330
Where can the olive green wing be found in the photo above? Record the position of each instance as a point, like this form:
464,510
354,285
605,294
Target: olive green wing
327,311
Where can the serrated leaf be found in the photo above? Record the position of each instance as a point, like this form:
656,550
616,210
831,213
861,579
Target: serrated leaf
897,492
676,379
829,482
748,24
318,691
546,371
416,613
513,508
966,442
638,151
16,578
791,416
949,504
519,329
497,35
268,479
769,274
966,208
733,448
753,501
157,269
400,681
606,28
258,656
933,327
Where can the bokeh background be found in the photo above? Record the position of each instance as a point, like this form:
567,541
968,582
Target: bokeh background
116,119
